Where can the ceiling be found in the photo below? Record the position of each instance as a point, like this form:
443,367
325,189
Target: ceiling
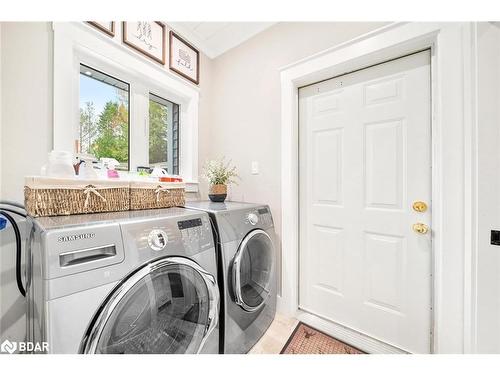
215,38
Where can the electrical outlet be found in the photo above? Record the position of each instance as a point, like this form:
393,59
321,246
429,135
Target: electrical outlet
495,237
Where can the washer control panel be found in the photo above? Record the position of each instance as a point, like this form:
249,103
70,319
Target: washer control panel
191,229
253,218
157,239
188,224
194,231
161,233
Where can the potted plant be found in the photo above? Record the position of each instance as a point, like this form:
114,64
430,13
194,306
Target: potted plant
219,174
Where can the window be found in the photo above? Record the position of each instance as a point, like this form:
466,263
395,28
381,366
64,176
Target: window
164,134
104,116
105,122
127,79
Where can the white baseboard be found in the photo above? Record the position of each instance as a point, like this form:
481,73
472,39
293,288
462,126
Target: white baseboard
347,335
279,306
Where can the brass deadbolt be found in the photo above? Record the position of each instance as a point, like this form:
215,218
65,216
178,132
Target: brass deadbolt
420,206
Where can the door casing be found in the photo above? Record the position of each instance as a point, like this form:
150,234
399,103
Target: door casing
453,168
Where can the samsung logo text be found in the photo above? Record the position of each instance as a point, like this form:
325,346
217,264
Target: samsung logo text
76,237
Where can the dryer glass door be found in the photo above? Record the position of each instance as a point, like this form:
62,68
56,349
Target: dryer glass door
253,270
168,306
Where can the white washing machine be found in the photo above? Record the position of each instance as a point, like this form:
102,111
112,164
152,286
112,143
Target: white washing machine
247,276
124,282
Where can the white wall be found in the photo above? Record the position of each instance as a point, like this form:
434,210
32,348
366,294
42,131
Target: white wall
26,103
0,113
488,207
245,114
1,243
205,134
26,84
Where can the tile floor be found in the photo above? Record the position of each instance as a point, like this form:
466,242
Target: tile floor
276,336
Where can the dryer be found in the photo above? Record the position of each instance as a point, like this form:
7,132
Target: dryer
247,275
124,282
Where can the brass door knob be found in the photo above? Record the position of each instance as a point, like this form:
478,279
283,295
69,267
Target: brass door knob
419,206
420,228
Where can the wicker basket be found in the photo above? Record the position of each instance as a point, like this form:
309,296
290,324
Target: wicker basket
145,195
46,196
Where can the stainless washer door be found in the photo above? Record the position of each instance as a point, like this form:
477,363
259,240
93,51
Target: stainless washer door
252,270
167,306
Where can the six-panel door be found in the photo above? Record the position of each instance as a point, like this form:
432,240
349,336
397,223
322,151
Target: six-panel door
365,158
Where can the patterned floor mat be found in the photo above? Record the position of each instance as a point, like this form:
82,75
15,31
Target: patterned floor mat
307,340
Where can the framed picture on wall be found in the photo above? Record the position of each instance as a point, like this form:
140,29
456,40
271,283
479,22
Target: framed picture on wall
184,58
146,37
105,27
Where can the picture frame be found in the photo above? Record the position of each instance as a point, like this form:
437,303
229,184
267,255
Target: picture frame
106,27
184,59
146,37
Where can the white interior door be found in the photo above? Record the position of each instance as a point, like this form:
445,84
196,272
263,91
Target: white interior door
365,159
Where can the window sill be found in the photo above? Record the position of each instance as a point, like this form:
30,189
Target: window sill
192,187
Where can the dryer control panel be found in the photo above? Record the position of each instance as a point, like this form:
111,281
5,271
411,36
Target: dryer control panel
259,217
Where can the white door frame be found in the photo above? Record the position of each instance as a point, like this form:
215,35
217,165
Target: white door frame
453,165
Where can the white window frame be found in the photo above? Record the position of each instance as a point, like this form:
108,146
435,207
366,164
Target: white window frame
77,43
170,133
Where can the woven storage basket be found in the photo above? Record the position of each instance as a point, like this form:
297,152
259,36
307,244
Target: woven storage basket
47,196
145,194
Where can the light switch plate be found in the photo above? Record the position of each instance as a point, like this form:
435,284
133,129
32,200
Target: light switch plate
255,167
